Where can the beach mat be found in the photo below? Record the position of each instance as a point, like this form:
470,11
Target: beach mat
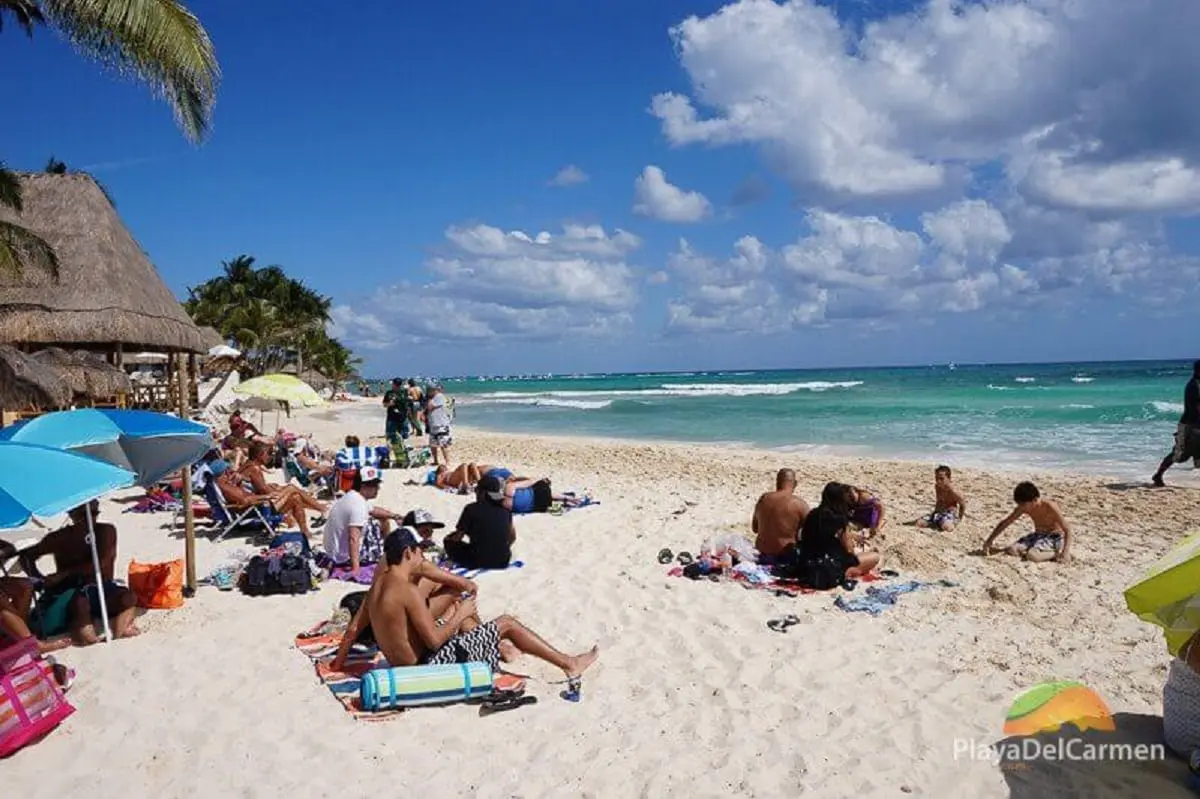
779,585
320,645
471,574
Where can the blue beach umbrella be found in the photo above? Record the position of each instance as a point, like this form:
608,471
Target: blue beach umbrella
43,481
151,445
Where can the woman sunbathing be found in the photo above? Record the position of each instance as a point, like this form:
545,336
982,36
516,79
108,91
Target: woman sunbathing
253,472
288,505
523,495
461,478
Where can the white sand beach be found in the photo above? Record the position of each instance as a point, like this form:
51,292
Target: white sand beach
693,694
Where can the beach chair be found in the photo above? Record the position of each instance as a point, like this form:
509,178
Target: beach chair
349,460
293,470
252,520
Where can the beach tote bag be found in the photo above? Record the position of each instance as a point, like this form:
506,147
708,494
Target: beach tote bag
158,586
31,704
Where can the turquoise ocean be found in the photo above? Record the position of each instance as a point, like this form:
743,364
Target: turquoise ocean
1105,418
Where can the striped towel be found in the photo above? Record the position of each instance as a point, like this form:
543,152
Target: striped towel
320,644
471,574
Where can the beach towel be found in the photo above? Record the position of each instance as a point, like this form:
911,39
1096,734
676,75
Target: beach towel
154,502
776,584
366,574
471,574
880,598
320,645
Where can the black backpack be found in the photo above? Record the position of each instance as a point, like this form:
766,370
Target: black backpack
293,576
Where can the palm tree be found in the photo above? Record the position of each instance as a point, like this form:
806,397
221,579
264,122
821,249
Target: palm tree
19,247
55,167
275,320
158,41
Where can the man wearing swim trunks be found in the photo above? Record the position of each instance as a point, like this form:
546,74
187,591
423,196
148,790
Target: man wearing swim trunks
1051,537
437,422
949,506
1187,432
409,633
778,517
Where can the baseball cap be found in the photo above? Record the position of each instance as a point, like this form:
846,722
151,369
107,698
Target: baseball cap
397,542
299,445
490,486
420,516
369,474
219,468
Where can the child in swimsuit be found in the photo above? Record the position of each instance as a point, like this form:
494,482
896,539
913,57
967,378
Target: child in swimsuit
1051,537
949,507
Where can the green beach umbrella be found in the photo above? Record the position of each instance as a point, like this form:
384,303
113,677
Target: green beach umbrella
1168,596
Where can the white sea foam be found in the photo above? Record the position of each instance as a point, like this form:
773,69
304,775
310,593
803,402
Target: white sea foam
1167,407
999,388
550,402
1078,406
1025,379
672,390
1082,379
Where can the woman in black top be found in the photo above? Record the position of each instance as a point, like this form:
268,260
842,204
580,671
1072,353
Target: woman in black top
825,553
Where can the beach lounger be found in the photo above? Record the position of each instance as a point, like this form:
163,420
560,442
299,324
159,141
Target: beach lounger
254,519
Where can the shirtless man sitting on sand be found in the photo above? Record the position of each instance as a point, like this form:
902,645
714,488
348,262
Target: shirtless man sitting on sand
1051,537
410,630
75,575
778,517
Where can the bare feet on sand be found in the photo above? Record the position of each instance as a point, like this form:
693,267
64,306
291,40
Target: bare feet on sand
579,663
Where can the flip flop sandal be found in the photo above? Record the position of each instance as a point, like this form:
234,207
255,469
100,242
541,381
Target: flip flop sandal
889,573
499,696
487,708
685,559
781,625
665,556
849,585
574,690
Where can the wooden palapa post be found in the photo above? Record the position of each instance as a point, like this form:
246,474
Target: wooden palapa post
185,474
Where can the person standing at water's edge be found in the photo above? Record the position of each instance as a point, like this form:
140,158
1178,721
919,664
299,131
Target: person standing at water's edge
396,402
437,423
1187,434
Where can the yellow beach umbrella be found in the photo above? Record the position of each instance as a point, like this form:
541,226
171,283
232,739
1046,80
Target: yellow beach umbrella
1169,595
280,387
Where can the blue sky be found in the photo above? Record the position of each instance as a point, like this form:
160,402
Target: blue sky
857,183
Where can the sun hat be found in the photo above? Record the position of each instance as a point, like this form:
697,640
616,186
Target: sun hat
420,516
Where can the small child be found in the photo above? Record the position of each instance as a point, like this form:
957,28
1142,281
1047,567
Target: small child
949,507
1051,537
867,512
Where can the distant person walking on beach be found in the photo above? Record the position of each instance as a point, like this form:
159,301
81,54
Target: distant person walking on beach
437,420
778,517
396,401
1187,434
1051,537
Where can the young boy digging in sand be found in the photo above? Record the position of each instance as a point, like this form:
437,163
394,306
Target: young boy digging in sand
949,507
1050,539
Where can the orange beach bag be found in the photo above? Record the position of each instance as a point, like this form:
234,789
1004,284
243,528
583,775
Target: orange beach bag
158,586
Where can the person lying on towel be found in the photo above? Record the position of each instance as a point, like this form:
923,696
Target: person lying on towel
411,630
70,599
532,496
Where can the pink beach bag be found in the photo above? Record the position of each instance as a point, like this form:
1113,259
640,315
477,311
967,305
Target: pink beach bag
31,704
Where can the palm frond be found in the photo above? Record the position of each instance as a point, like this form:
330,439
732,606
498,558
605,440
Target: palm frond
159,41
22,249
10,189
25,12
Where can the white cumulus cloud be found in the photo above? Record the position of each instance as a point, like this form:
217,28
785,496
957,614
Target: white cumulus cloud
569,175
654,197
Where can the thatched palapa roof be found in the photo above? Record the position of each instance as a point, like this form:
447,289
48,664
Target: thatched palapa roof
24,382
108,292
211,338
